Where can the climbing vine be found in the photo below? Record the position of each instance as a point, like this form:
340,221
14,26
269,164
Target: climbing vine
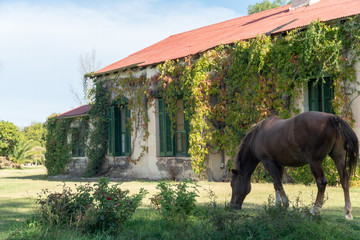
57,147
137,91
97,146
230,88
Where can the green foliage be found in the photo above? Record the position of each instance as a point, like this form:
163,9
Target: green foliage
230,88
304,175
24,151
57,147
103,208
265,5
176,202
98,135
136,90
212,221
9,136
36,132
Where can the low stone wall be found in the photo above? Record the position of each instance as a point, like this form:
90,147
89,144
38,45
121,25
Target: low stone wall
77,166
175,168
172,168
117,167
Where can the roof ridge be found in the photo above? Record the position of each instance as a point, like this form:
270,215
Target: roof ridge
229,20
240,28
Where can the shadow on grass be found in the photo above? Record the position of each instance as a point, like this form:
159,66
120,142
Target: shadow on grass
65,178
13,211
45,177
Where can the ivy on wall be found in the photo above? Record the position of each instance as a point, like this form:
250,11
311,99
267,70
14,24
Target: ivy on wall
97,146
137,91
229,88
57,147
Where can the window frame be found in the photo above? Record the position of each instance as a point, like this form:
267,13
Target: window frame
78,142
321,94
167,138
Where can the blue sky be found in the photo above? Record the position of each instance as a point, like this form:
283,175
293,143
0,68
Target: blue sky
41,43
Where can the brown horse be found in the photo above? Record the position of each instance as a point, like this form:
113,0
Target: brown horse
305,139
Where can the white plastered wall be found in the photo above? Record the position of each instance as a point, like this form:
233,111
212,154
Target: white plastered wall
355,105
148,166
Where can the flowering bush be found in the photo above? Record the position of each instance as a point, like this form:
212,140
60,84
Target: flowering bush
102,208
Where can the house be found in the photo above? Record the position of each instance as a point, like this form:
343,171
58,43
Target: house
167,138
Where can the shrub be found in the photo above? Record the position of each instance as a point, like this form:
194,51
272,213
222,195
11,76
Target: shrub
176,202
99,209
220,222
304,175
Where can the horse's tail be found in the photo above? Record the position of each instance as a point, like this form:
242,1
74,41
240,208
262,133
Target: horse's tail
351,142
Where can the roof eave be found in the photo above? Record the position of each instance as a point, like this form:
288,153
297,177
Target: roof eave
99,74
73,116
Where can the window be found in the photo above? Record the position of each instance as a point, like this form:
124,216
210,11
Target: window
78,142
321,94
176,144
119,130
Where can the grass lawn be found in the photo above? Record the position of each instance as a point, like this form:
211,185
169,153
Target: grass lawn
19,189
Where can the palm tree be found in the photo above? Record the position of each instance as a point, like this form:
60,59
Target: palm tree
24,151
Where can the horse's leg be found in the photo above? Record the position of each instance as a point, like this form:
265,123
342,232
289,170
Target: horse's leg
321,181
277,171
277,192
339,155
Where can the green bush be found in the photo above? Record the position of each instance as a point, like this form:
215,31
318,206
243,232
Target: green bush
9,137
176,202
303,174
103,208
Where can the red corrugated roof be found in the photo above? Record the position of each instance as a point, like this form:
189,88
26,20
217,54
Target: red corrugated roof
84,109
273,20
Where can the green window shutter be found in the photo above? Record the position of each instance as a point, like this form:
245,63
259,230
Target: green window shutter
75,145
187,131
327,95
313,96
117,131
321,95
111,133
127,131
162,128
166,138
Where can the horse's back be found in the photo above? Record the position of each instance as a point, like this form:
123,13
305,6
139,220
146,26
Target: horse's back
293,141
314,130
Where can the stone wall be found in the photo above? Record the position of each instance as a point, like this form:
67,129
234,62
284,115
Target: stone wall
77,166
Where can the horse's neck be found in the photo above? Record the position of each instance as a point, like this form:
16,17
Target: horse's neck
248,162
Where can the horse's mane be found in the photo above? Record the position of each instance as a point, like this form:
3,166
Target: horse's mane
244,151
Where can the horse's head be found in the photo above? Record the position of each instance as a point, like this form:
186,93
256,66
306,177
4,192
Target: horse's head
241,187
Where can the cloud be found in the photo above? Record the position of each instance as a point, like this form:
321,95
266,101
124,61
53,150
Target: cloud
41,44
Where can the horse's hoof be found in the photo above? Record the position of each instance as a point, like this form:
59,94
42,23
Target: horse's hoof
236,206
348,216
315,211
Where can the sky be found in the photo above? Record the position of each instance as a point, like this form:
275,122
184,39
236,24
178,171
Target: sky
41,43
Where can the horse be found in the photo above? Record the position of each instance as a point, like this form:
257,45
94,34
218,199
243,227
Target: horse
304,139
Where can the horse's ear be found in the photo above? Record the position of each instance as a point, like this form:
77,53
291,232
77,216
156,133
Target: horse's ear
235,172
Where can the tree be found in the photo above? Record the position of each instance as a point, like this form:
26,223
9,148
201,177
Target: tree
87,64
265,5
9,137
24,151
35,132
